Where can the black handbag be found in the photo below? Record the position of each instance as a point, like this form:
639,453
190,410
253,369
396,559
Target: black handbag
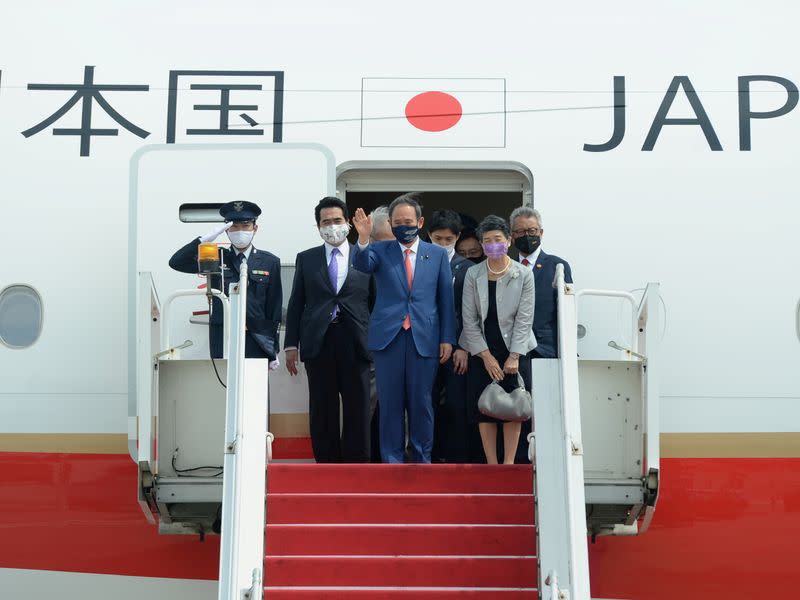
495,402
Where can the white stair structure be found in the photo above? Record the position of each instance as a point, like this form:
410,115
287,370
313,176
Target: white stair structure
202,449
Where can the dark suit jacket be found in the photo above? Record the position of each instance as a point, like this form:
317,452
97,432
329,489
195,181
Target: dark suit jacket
264,298
429,302
459,266
545,316
313,299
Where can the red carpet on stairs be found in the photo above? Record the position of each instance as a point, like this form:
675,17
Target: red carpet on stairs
400,531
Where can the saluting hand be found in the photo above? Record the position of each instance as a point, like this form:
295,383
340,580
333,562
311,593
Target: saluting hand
291,361
212,235
363,225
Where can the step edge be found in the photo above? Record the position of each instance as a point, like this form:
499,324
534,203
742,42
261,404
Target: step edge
398,494
397,588
407,525
403,556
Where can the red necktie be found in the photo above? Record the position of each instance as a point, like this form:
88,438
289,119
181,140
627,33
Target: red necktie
525,262
410,279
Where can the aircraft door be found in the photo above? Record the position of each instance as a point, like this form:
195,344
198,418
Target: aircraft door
175,193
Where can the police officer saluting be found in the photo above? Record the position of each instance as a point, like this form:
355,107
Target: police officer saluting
264,295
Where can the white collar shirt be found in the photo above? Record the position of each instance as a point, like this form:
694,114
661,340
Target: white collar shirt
413,256
342,261
247,251
532,258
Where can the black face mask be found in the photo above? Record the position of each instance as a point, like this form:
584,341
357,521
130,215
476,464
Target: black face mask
477,259
527,244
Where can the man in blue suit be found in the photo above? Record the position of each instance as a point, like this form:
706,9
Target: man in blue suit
412,329
527,232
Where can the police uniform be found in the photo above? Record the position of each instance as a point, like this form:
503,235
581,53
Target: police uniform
264,295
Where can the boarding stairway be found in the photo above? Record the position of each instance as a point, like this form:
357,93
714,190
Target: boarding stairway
396,531
400,532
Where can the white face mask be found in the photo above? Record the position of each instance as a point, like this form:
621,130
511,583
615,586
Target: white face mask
241,239
334,234
450,249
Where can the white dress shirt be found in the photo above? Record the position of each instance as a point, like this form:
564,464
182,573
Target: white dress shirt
413,256
532,258
247,251
342,261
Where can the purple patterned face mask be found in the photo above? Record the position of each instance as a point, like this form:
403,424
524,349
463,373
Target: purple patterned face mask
495,249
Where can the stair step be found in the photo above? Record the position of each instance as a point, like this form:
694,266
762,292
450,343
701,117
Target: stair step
443,509
515,540
405,571
419,479
388,593
289,448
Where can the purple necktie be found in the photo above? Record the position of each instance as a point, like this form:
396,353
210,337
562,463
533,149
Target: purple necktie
333,273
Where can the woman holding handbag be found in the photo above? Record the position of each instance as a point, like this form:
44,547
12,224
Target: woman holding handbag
497,311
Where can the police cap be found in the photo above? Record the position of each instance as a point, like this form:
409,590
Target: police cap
239,210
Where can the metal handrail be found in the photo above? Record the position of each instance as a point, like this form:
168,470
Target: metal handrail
229,548
247,445
165,311
558,481
797,318
625,296
230,568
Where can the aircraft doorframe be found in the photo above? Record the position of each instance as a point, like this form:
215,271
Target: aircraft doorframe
432,176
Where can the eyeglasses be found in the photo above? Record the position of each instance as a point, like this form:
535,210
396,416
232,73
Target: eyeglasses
531,231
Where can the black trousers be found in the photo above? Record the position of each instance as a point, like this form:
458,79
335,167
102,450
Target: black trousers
453,439
337,371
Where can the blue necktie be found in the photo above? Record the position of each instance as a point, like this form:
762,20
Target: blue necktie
333,273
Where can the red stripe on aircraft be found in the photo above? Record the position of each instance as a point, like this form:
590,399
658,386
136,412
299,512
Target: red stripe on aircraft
723,527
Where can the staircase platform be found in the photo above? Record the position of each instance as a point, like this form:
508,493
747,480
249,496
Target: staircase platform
400,531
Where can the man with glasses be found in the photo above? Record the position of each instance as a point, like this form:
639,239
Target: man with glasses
527,233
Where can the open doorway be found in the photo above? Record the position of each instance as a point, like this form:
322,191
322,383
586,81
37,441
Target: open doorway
473,189
472,206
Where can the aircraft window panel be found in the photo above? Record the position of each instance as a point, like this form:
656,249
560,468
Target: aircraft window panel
200,213
20,316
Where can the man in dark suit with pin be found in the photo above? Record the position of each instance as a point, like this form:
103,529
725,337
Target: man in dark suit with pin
264,294
326,327
412,327
527,233
451,427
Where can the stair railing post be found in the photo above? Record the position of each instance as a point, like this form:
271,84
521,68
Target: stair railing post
561,526
244,477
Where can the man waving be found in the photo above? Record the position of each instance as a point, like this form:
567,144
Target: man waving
412,328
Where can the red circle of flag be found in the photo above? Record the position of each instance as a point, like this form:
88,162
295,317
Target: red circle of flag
433,111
